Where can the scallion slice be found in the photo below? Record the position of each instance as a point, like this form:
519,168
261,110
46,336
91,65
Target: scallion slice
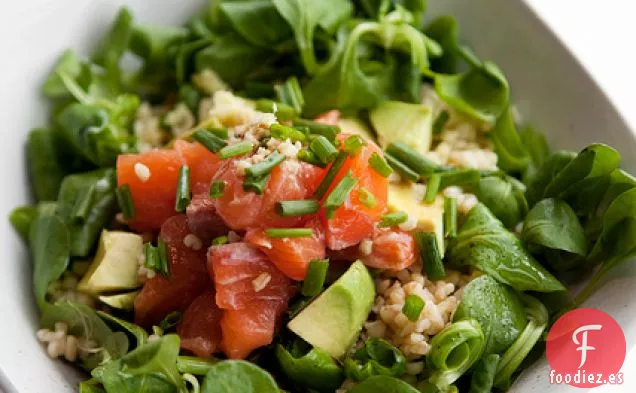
210,140
217,189
331,175
282,111
411,158
392,219
256,185
440,122
236,150
339,194
83,204
289,232
327,130
221,132
459,177
378,164
183,189
291,94
450,217
323,149
217,241
429,252
413,306
164,258
283,132
315,278
297,208
310,158
405,172
125,201
151,257
432,187
354,144
265,167
366,198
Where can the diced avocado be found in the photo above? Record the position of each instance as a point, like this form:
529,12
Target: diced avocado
115,265
333,321
403,122
350,125
122,301
408,197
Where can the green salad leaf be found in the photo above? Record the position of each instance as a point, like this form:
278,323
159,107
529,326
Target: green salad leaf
504,197
538,182
71,66
231,376
484,243
136,331
445,31
116,42
497,308
537,148
483,376
314,369
511,153
376,357
46,170
383,384
259,22
21,219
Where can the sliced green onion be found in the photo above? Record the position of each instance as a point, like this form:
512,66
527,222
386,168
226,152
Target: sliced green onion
331,174
282,111
310,158
339,194
429,252
354,144
256,185
413,306
164,258
221,132
289,232
151,257
392,219
211,141
411,158
83,204
440,122
291,94
217,241
460,177
378,164
125,201
450,217
327,130
405,172
323,149
366,198
238,149
217,189
315,278
432,187
183,189
282,132
297,208
266,166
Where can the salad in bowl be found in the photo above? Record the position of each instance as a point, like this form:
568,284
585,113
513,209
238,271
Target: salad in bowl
304,196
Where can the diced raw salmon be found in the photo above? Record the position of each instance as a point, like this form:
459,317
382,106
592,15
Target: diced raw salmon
203,164
203,220
200,326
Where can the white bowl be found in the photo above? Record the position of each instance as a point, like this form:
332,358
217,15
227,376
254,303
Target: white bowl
550,88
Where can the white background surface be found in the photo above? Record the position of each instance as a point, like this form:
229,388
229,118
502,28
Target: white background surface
602,38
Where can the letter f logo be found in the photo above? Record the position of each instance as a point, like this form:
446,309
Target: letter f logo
583,343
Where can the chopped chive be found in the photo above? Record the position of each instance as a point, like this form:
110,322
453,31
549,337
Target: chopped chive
256,185
405,172
327,130
163,265
289,232
125,201
310,158
183,189
217,241
211,141
217,189
432,187
354,144
411,158
450,217
83,204
331,174
282,111
323,149
392,219
238,149
315,278
283,132
366,198
440,122
378,164
265,167
151,257
291,94
221,132
413,306
339,194
429,252
459,177
297,208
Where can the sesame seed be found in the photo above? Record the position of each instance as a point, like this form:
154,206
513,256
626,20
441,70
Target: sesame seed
192,241
260,282
366,246
142,171
233,237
